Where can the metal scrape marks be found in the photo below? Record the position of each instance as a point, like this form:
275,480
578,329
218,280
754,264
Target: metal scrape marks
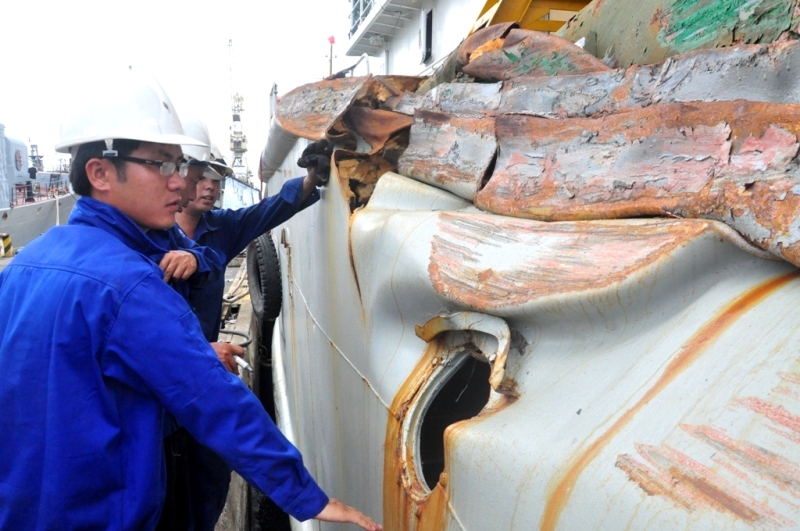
692,485
732,162
450,152
543,259
530,53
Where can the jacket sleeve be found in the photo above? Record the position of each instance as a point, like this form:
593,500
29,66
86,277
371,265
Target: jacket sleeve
243,225
158,347
209,264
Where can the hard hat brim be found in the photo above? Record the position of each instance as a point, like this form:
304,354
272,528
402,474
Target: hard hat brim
211,173
170,139
222,169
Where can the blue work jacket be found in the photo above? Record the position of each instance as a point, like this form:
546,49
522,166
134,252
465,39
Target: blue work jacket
94,348
227,233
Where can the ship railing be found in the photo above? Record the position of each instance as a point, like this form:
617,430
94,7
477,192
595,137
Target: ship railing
34,191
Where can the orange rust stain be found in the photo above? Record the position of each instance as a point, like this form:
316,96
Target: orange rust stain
783,473
702,339
405,503
692,485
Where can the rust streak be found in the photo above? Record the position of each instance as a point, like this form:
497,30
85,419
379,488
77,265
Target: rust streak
693,485
774,412
702,339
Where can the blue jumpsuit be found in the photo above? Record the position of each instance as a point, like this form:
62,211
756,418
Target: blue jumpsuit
226,233
95,347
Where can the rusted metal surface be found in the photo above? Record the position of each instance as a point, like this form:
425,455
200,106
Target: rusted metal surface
358,174
729,162
376,126
723,74
531,53
652,30
651,376
481,39
311,110
450,152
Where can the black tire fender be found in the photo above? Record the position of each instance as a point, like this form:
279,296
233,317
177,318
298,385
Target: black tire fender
264,277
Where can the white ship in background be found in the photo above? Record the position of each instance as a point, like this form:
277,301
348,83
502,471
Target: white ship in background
29,206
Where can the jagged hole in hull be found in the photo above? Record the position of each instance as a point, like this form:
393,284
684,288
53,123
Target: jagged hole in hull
462,397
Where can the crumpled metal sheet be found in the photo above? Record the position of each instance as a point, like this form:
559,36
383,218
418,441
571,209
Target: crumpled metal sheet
531,53
376,126
311,110
481,39
314,111
450,152
649,31
753,72
728,161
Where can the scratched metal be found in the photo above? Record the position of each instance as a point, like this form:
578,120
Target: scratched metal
733,162
450,152
311,110
631,341
531,53
649,31
723,74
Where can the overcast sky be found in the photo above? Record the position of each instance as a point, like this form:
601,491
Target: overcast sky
52,48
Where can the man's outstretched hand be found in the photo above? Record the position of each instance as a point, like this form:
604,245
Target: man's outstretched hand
338,512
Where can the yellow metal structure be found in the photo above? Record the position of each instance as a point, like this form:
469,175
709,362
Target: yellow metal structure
531,14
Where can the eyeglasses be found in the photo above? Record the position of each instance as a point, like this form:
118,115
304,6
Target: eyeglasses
164,168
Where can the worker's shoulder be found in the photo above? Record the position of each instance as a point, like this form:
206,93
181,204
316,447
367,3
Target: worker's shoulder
89,252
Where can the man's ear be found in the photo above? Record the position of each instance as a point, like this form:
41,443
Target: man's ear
101,173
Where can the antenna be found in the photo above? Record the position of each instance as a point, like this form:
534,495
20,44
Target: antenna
238,143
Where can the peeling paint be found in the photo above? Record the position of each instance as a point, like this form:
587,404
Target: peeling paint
713,160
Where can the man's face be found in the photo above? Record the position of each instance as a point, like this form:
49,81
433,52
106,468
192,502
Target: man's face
190,192
207,194
146,196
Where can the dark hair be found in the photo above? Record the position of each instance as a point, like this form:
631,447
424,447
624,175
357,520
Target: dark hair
94,150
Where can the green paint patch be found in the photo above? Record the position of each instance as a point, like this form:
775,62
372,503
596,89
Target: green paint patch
550,65
511,56
692,24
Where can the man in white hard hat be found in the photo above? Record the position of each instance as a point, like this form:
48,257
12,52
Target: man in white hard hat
112,347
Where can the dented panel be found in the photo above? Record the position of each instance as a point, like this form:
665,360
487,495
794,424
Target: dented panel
450,152
733,162
595,243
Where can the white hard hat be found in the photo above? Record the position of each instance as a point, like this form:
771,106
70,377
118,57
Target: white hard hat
218,163
122,105
196,129
211,173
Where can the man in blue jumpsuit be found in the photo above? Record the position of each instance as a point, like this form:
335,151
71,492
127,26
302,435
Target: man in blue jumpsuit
113,348
227,232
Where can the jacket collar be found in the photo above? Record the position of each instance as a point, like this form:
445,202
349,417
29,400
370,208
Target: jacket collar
88,211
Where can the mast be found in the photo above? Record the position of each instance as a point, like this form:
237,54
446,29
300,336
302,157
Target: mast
238,140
